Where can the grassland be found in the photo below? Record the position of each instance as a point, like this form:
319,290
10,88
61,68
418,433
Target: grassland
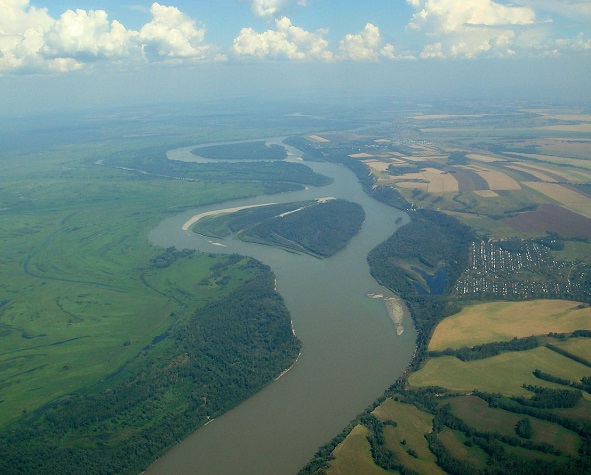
87,303
502,321
76,262
353,455
504,374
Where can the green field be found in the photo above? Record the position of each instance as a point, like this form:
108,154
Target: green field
505,373
353,456
77,303
98,325
412,425
476,413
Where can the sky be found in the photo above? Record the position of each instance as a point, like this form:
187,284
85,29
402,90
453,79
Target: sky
55,52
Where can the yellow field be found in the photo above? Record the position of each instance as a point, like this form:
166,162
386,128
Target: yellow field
412,424
413,184
577,147
498,181
353,456
377,165
485,158
586,128
538,174
361,155
577,346
439,181
505,373
502,321
559,160
567,115
318,138
571,199
444,116
486,193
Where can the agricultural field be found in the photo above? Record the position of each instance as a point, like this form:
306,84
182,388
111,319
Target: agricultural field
501,321
483,166
504,375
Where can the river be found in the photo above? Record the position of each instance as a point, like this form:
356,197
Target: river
351,349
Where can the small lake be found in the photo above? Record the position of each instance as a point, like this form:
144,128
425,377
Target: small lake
351,349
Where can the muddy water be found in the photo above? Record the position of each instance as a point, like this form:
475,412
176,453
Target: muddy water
351,347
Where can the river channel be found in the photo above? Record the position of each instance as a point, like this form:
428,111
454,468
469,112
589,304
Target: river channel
352,350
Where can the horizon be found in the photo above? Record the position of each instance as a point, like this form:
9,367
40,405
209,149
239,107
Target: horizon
68,56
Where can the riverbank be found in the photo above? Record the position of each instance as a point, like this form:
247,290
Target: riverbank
351,349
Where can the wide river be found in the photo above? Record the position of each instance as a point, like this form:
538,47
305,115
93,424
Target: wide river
352,350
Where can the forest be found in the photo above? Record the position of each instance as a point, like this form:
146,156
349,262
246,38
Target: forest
317,228
321,229
204,366
243,151
275,176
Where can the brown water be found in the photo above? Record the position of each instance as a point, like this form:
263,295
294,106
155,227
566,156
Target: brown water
351,351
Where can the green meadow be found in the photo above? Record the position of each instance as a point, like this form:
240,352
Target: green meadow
79,295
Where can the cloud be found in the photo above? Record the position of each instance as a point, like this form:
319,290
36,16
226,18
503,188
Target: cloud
367,45
285,42
32,41
272,9
469,29
86,35
172,34
454,15
578,11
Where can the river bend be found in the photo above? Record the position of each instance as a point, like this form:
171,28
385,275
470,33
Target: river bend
351,349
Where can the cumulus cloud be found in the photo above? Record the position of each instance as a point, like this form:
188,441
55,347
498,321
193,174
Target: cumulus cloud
286,41
271,9
453,15
172,34
31,40
578,11
470,29
86,35
367,45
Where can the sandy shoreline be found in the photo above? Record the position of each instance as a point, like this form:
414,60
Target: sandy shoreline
191,221
396,311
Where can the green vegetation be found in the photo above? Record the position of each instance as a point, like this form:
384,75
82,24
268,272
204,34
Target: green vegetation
273,176
243,151
430,240
114,349
317,228
488,350
244,340
528,361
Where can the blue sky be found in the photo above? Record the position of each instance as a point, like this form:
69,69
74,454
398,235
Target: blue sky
45,43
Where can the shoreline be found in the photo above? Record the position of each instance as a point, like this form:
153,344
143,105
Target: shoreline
396,310
191,221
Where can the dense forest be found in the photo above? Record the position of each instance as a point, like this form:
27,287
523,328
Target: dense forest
258,150
205,365
274,176
321,229
317,228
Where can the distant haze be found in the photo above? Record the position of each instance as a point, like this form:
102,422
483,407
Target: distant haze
71,54
557,80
